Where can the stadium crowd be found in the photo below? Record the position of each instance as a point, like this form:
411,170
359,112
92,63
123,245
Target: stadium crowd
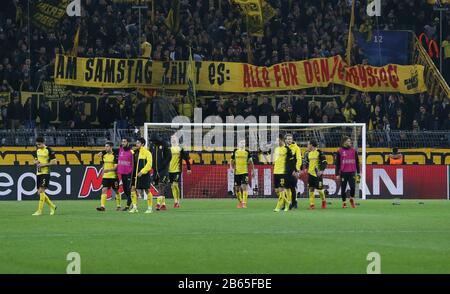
301,30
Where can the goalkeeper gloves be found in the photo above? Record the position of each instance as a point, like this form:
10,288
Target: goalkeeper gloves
357,179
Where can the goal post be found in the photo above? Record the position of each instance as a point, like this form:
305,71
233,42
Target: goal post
210,146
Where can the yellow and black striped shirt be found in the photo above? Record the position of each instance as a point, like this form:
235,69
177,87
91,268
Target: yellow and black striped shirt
241,158
44,155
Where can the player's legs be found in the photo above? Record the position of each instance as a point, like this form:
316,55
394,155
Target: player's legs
134,198
174,185
321,192
126,184
42,184
351,182
103,197
344,181
115,187
244,191
280,182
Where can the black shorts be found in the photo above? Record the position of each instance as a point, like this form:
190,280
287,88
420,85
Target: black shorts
240,179
315,182
161,179
142,183
110,183
174,177
279,181
42,180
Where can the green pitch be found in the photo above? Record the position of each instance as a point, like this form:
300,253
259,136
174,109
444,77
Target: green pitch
212,236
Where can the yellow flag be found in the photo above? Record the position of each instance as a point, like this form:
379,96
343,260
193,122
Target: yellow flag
348,52
74,51
190,76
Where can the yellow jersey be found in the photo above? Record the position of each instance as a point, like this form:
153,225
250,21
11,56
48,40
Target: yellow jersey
44,155
146,50
178,155
314,161
280,159
109,162
241,158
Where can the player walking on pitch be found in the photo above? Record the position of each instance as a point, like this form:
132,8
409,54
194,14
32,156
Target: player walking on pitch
125,169
175,168
280,168
109,178
294,165
315,162
347,170
43,158
140,179
161,158
240,162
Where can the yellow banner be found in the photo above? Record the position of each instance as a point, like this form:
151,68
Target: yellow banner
237,77
253,11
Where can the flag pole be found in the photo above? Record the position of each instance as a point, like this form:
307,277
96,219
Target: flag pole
350,35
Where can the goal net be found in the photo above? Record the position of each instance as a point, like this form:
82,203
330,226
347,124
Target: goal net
210,147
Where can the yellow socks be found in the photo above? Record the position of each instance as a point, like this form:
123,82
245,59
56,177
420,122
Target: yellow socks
311,198
49,202
103,200
149,199
118,199
289,195
245,196
42,198
176,192
134,198
322,194
281,198
239,195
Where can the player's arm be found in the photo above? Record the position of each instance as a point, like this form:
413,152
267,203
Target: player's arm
298,158
185,157
288,155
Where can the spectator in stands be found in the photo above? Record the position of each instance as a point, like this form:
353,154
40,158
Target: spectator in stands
249,108
4,112
283,113
82,123
365,110
424,119
45,114
15,112
30,114
399,122
265,108
140,115
415,126
316,112
379,102
392,107
234,108
438,114
330,110
66,115
122,109
349,113
376,119
301,107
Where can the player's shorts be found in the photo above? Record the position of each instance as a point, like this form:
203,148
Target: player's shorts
240,179
279,181
42,180
315,182
110,183
174,177
161,179
142,183
291,181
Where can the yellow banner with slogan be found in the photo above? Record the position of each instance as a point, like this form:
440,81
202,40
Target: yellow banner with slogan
237,77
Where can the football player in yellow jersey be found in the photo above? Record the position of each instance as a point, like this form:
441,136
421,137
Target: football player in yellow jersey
280,168
295,163
109,179
240,161
314,161
43,158
175,168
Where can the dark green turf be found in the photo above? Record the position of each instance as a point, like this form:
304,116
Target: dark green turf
212,236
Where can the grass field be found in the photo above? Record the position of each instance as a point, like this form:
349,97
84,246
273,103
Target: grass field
211,236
